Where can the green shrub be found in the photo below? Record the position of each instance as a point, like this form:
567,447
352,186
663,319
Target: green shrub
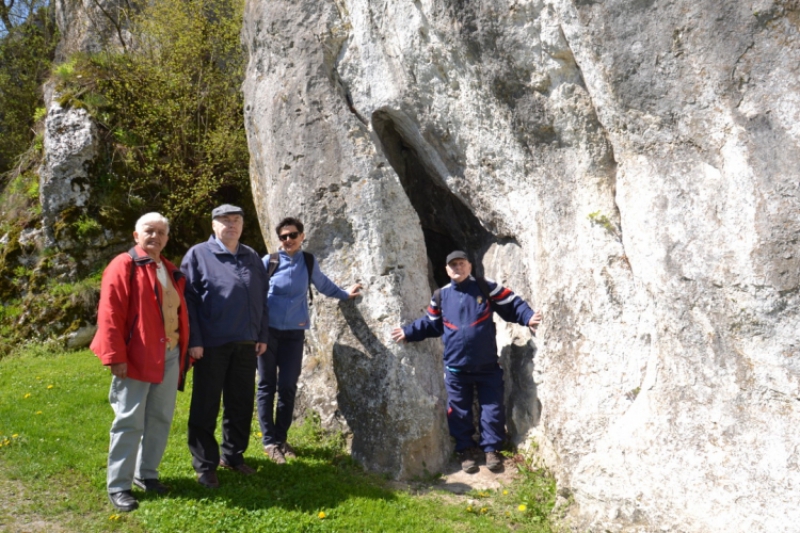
170,116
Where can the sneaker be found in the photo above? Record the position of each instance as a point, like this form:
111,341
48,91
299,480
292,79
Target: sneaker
494,461
288,451
273,451
468,462
123,501
151,485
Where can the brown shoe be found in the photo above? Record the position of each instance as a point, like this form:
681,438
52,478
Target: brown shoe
494,461
273,451
208,479
288,451
242,468
468,462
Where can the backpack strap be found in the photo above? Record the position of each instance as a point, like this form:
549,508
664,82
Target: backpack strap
484,287
274,259
310,268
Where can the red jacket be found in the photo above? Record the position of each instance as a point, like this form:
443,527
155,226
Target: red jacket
130,325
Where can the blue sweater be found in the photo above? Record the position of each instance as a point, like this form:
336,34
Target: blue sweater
465,321
225,295
288,291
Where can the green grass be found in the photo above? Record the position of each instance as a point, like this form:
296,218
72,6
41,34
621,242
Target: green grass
54,422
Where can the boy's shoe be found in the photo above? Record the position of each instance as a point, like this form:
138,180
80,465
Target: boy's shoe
123,501
494,461
208,479
273,451
468,462
151,485
288,451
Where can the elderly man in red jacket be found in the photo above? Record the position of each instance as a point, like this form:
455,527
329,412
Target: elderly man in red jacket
142,336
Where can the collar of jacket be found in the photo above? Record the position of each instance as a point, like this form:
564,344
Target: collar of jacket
217,246
464,284
140,258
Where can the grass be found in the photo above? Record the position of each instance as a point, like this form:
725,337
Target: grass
54,422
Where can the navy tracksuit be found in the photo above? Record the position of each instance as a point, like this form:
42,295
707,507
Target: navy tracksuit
464,320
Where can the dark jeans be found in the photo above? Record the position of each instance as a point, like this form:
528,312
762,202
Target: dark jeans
226,371
278,371
460,393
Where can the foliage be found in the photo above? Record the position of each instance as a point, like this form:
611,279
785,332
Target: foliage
170,115
63,466
26,52
599,219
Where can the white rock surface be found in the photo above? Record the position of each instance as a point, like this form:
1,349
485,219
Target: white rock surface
631,167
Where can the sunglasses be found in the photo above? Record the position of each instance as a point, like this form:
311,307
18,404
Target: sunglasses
293,235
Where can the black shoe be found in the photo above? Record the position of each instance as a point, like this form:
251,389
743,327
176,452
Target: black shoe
468,462
242,468
208,479
123,501
151,485
494,461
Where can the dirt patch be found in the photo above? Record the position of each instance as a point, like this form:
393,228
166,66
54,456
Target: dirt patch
18,510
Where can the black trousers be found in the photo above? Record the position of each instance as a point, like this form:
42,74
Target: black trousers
226,372
278,371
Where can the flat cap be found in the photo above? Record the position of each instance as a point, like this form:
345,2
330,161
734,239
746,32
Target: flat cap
226,209
458,254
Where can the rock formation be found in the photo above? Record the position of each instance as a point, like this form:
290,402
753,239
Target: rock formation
630,167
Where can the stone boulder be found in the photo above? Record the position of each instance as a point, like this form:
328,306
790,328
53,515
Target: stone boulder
628,167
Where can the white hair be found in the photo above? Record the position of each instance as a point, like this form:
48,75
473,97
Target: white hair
151,217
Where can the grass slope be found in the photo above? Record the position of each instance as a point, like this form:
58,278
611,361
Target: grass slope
54,422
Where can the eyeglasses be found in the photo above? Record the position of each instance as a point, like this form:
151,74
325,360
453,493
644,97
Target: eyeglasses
293,235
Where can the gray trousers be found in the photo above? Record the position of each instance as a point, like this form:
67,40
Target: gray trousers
143,415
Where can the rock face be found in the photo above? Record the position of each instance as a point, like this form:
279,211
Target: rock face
630,167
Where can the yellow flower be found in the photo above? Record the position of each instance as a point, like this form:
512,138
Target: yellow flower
114,517
469,509
523,507
259,434
508,513
484,510
38,412
321,515
49,386
505,493
27,395
15,435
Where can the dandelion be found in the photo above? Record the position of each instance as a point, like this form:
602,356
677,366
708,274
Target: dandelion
321,515
505,493
114,517
259,434
27,395
508,513
38,412
15,435
49,386
523,507
469,508
484,510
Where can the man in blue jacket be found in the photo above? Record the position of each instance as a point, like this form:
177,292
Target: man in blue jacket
461,313
228,329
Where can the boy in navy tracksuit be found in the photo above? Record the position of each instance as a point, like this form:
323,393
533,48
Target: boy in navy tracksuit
461,313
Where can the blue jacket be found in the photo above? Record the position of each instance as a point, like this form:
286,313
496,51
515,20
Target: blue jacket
465,321
288,291
225,295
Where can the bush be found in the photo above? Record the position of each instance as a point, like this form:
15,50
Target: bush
170,115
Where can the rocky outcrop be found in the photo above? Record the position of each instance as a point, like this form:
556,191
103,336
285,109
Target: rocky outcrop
631,167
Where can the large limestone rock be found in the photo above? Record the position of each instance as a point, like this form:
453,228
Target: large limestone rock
628,166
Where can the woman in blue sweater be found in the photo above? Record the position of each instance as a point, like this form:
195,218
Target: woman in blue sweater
279,367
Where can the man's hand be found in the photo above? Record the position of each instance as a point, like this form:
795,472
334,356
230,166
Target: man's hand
535,320
353,291
196,353
398,335
261,347
119,370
